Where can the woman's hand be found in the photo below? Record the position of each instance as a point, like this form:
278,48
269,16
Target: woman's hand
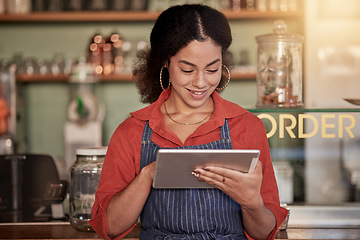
243,188
149,171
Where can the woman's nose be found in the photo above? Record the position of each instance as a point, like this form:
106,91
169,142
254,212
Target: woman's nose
200,80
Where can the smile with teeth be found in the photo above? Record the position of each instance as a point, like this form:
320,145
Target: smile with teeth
197,92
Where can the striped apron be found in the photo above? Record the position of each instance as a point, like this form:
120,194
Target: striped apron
189,214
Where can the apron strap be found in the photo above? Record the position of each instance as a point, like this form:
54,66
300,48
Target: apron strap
146,136
225,130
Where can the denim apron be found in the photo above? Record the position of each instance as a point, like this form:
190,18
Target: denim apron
189,214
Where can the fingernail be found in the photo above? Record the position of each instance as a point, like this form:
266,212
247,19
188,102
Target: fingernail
195,173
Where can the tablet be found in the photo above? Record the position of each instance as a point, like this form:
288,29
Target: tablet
174,166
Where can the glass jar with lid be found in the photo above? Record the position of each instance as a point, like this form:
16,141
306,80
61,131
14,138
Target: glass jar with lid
84,180
279,68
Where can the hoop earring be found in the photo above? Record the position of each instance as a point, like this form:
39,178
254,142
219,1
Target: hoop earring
228,80
161,83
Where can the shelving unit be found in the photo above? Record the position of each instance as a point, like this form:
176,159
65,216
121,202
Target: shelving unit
124,16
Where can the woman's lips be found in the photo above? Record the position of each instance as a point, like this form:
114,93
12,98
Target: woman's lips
197,94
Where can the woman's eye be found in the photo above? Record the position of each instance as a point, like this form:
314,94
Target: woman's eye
187,71
212,70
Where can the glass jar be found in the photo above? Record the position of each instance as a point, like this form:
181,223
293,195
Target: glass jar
279,68
84,179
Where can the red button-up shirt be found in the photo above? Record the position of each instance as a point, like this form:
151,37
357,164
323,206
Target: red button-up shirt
122,161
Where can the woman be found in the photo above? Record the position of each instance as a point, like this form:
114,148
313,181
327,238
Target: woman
180,74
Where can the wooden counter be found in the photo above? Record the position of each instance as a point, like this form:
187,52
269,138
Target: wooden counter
50,230
65,231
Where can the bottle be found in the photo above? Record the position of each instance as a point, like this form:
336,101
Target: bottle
84,179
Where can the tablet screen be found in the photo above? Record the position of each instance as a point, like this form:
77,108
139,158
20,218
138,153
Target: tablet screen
174,166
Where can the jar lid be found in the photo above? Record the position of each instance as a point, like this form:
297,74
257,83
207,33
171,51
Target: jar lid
279,34
92,151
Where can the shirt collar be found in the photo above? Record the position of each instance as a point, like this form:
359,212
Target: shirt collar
223,109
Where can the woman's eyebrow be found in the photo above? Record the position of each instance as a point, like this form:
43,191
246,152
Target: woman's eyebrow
193,65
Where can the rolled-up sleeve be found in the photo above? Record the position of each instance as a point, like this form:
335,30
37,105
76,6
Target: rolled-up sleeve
121,165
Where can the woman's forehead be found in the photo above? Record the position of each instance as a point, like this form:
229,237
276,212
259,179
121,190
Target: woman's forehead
196,49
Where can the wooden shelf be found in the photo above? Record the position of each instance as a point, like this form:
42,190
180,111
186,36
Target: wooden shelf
243,76
39,78
126,77
260,15
106,16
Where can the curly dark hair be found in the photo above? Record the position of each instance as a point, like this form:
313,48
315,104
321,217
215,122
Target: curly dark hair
174,29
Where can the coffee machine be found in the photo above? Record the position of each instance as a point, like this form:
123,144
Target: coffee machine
23,181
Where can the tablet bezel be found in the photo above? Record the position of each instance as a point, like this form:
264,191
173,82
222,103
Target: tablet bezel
174,166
